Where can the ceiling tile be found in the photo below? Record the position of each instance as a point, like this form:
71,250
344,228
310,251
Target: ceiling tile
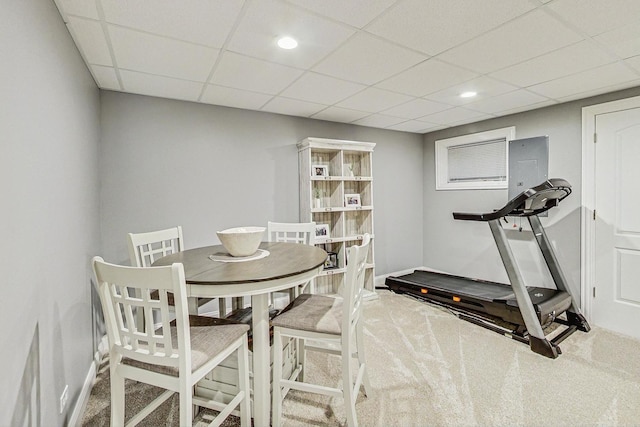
425,78
600,91
242,72
367,59
507,101
206,22
528,107
151,54
220,95
338,114
106,77
413,126
455,115
531,35
634,62
575,58
415,108
373,100
292,107
587,80
326,90
436,25
379,121
90,37
82,8
267,20
353,12
596,16
623,41
462,122
165,87
485,87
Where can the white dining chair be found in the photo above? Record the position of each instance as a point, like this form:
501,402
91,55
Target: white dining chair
174,356
146,248
293,232
302,233
327,324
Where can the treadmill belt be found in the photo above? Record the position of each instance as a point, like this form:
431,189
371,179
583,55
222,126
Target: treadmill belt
480,289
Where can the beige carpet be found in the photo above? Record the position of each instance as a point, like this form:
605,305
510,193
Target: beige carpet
428,368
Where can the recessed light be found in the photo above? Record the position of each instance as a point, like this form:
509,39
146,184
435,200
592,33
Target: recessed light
468,94
287,43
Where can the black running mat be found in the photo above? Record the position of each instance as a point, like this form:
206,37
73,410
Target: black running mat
484,290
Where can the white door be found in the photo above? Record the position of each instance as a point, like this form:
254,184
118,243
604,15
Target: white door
616,296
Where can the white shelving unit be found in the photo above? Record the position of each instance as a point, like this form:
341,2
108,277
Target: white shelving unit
332,171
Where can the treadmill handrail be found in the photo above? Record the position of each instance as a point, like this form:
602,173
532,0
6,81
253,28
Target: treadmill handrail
532,201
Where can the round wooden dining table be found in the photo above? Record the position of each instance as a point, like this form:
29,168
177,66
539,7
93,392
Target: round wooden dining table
211,273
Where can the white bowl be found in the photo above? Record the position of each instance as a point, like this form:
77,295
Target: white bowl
241,241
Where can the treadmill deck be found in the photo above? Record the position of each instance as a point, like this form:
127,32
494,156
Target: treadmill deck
481,296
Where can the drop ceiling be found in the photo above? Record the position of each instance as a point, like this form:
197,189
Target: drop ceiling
394,64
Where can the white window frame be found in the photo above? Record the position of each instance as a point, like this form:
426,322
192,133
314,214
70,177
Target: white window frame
442,159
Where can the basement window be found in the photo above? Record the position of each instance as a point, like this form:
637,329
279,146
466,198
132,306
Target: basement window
474,161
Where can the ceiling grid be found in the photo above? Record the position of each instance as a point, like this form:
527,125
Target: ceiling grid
395,64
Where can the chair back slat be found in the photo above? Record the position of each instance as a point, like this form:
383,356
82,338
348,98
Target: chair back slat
127,290
353,290
292,232
130,333
146,248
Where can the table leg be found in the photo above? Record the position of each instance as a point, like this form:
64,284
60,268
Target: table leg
261,360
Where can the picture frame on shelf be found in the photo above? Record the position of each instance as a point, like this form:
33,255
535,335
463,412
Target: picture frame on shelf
352,200
332,261
322,231
319,170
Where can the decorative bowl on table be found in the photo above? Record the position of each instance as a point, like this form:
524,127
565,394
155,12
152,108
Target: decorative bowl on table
241,241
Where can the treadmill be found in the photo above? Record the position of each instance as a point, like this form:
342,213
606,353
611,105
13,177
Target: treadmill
515,310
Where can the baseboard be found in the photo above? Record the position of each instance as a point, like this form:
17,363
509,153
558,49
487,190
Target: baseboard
81,403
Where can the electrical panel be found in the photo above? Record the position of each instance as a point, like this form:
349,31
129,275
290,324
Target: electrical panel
528,163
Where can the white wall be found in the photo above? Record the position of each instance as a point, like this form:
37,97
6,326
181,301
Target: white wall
49,218
204,167
467,247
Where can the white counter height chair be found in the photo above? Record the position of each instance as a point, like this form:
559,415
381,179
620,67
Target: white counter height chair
293,232
288,232
174,356
336,322
146,248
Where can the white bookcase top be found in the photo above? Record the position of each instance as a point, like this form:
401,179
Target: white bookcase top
335,144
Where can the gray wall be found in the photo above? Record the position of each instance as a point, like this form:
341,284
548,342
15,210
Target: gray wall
49,184
467,247
165,163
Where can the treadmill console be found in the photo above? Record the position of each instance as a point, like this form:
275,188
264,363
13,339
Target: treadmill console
532,201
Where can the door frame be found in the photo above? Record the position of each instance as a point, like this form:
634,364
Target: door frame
587,223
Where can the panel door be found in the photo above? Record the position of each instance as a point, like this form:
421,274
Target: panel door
616,296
